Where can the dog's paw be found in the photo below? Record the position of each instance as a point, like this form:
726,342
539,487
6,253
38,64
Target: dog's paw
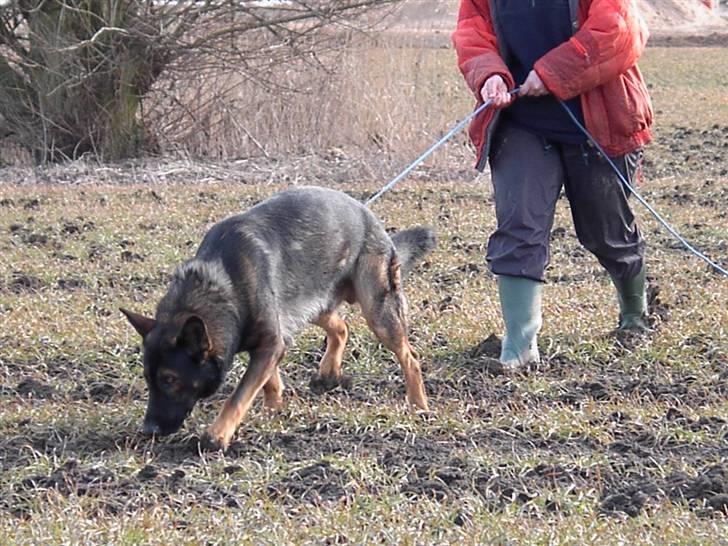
273,404
426,416
324,383
213,442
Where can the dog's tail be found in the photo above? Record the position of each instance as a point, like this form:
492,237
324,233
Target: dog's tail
412,245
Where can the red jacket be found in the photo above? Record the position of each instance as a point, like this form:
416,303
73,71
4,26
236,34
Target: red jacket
598,63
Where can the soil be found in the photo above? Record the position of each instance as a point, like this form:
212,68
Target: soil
436,465
672,23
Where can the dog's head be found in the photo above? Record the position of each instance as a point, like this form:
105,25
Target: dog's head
180,368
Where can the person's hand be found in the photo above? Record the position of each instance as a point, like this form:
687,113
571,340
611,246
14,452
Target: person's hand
495,89
533,86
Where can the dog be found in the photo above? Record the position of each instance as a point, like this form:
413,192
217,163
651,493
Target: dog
257,279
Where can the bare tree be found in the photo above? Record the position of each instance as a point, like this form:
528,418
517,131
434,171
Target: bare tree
74,73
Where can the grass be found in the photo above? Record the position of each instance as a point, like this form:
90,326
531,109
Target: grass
390,101
540,458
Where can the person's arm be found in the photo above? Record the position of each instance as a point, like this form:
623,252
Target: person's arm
477,48
609,42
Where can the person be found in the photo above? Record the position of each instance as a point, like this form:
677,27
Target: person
581,53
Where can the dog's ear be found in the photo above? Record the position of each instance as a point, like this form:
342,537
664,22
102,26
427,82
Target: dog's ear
141,324
194,338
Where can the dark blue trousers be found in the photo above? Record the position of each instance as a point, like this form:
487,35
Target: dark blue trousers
528,173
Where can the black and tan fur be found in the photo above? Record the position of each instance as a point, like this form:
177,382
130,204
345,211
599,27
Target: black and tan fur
256,280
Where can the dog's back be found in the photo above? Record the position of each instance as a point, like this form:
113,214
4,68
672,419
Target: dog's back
293,251
297,252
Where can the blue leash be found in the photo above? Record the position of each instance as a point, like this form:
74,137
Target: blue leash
583,129
432,148
641,199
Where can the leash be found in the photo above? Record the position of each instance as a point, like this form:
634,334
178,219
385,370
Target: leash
432,148
641,199
586,133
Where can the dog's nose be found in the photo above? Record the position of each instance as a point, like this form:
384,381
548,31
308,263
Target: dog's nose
151,429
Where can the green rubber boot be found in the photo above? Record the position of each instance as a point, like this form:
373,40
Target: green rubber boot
632,295
521,305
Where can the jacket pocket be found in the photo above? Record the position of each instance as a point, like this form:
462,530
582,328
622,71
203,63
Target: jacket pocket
639,99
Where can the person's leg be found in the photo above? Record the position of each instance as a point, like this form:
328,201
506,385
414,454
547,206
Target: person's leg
606,226
527,176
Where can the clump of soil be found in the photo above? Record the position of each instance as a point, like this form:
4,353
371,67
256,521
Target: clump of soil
32,388
22,282
707,492
315,484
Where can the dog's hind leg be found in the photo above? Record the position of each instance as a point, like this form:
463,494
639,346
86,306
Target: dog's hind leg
392,332
263,364
384,307
273,391
329,372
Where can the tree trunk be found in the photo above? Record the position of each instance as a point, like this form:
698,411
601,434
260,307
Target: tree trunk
80,87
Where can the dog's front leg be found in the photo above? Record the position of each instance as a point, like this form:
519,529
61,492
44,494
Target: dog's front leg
263,362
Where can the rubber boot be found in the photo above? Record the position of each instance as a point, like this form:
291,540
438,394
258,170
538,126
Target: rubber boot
632,295
520,300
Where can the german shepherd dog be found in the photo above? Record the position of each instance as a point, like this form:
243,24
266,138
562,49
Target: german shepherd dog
256,280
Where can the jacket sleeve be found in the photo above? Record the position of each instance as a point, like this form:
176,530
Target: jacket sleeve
609,42
477,46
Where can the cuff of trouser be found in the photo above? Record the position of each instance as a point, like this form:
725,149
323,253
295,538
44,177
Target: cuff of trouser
626,269
514,272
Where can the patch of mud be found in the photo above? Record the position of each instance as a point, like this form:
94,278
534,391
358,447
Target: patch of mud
136,283
322,438
489,347
315,484
658,311
30,203
499,485
76,227
70,478
629,502
437,465
22,282
105,392
459,244
707,493
129,256
321,385
71,284
96,251
116,493
29,234
643,446
687,150
32,388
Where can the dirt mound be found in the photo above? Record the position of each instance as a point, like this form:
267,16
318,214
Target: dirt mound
661,15
677,14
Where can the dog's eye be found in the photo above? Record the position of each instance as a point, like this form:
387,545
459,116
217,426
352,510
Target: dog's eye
168,380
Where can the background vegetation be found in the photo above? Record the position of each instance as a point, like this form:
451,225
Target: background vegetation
82,76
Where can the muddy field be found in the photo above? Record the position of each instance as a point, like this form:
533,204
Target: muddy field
611,439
